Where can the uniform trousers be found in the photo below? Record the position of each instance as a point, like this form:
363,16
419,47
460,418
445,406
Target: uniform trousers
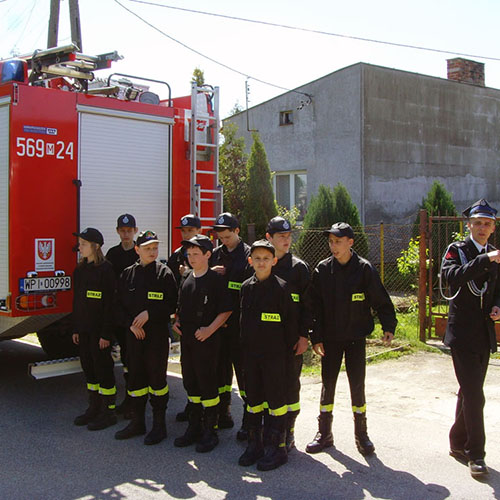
355,363
293,370
97,364
230,355
199,367
467,433
147,366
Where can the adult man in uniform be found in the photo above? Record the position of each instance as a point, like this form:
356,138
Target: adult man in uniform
470,268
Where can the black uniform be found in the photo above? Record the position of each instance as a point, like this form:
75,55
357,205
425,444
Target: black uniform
201,300
150,288
94,288
178,258
343,296
470,333
237,270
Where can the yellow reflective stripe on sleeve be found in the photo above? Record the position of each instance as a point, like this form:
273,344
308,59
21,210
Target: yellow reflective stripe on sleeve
194,399
358,297
158,392
294,407
107,392
266,405
93,387
295,297
92,294
234,285
255,409
139,392
225,388
278,412
207,403
273,317
326,408
243,393
359,409
155,295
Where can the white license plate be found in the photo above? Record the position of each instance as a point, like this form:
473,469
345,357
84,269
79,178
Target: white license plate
45,284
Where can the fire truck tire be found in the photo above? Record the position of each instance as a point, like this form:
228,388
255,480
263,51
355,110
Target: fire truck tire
56,339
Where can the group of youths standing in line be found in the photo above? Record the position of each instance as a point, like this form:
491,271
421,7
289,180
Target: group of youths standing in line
254,308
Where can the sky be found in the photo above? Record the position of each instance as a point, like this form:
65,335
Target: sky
284,57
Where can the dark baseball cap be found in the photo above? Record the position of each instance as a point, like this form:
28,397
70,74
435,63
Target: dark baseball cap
146,238
226,220
481,208
126,220
262,244
189,220
340,229
200,240
278,225
91,234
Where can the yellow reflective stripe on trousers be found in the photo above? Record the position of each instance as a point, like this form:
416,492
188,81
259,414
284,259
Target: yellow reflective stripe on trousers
139,392
107,392
225,388
93,387
194,399
207,403
294,407
278,411
359,409
158,392
255,409
326,408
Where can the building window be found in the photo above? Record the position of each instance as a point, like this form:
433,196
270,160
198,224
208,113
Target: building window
286,117
291,190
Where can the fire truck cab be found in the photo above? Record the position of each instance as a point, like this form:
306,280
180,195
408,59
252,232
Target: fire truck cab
73,155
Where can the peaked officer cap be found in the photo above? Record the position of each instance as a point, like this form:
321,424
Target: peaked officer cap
480,208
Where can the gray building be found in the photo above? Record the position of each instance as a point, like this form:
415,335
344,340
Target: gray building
386,135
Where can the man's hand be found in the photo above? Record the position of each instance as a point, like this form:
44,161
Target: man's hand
76,338
495,313
219,269
176,327
141,319
139,333
203,333
387,338
301,346
319,349
103,343
494,256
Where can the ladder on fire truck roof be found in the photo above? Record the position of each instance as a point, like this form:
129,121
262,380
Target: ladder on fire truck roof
208,123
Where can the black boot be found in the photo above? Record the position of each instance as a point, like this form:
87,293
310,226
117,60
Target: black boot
209,440
324,436
291,417
242,434
255,448
159,431
92,411
183,416
225,418
365,446
194,431
125,407
106,417
137,426
275,453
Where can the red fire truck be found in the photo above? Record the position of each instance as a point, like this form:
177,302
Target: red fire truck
74,154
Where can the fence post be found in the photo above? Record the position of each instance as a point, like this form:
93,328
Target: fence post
422,281
382,251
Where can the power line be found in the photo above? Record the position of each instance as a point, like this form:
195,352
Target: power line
208,57
318,32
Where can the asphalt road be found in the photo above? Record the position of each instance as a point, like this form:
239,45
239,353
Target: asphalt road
410,408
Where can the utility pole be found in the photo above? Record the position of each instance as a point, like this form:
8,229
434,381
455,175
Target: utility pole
53,23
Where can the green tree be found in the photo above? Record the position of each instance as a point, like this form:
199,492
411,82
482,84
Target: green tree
260,204
233,169
198,76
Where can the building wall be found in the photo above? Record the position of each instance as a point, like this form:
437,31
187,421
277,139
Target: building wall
418,129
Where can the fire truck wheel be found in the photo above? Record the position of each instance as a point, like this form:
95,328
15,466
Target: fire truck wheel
56,339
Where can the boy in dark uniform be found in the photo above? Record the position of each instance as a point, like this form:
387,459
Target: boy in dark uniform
471,270
269,330
122,256
204,306
231,260
296,273
344,290
148,295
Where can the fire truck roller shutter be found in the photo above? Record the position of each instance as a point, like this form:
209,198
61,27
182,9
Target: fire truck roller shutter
124,166
4,199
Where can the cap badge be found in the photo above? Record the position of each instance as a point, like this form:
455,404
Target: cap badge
220,220
125,219
286,225
483,202
184,221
